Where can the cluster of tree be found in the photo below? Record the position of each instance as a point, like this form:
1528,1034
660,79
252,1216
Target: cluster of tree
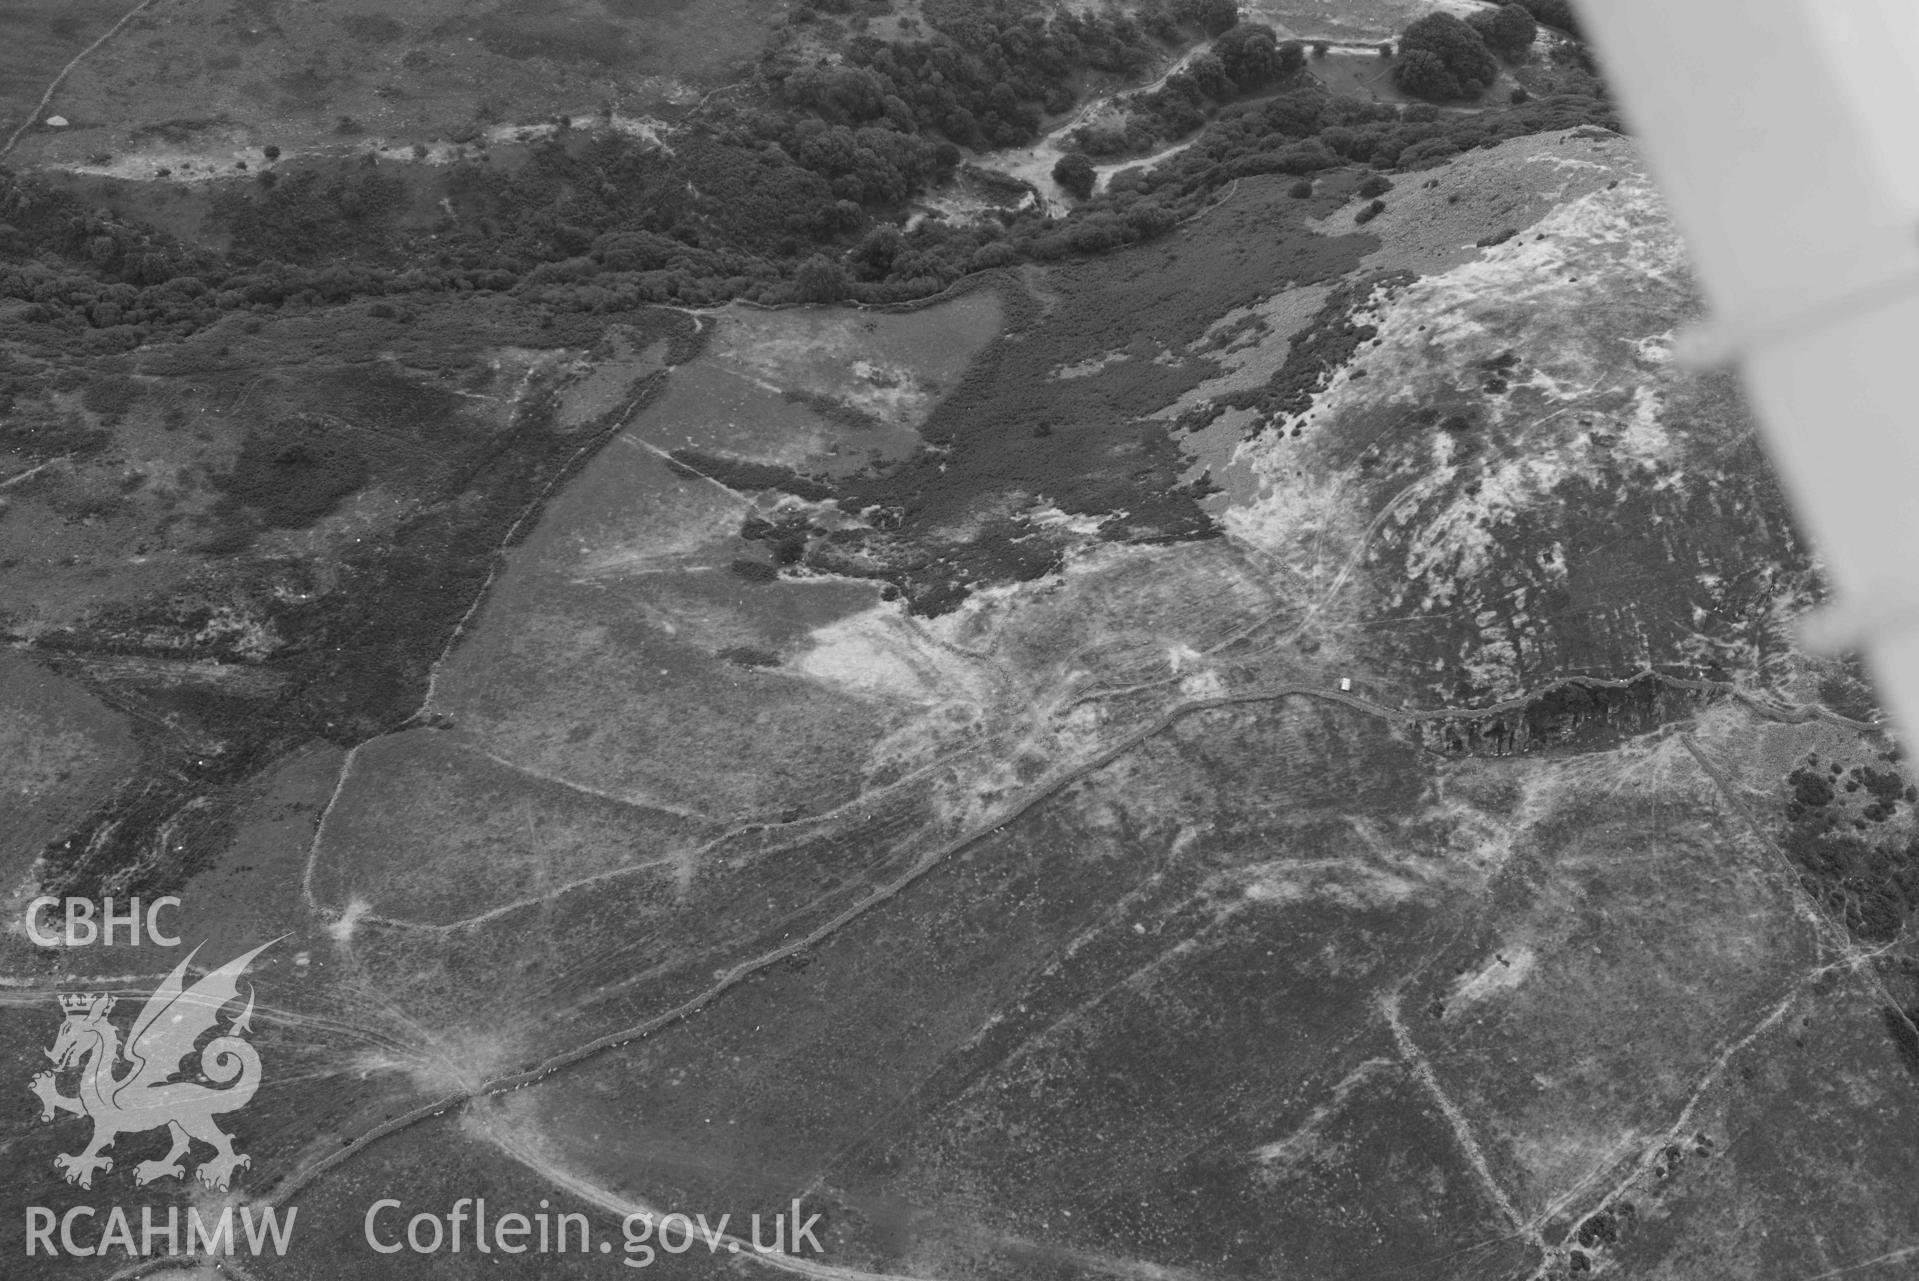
324,214
1555,13
1252,56
1866,877
82,270
728,211
1211,16
1444,59
1249,59
1300,132
1509,31
36,218
798,200
1309,129
989,72
987,76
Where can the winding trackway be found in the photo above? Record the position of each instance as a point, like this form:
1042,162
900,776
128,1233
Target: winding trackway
738,974
1765,708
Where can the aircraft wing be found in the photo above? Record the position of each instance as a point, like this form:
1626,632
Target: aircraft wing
1780,133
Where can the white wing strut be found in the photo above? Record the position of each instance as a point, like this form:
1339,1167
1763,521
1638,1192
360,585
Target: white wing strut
1781,134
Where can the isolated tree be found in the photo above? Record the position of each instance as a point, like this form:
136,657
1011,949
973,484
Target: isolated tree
1075,173
1321,48
1509,31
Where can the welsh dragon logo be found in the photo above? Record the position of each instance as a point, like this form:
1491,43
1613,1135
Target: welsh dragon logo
151,1093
